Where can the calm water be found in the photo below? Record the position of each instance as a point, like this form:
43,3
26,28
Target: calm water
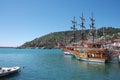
51,64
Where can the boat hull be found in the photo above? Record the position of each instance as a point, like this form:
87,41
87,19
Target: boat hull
92,60
67,53
7,71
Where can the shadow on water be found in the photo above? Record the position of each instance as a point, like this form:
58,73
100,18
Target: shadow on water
10,76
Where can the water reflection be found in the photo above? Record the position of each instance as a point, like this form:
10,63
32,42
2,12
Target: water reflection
93,71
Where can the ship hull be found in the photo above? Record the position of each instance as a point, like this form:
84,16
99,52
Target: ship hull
92,60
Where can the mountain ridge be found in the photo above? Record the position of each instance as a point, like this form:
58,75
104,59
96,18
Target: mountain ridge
66,37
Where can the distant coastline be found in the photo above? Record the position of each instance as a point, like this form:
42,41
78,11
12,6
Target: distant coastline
7,47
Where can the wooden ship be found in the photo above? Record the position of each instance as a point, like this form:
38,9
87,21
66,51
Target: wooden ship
87,49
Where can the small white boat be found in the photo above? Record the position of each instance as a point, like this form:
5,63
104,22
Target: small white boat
8,70
67,53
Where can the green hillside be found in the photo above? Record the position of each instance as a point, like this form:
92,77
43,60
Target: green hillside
66,37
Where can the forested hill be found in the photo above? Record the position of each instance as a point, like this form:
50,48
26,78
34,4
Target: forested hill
66,37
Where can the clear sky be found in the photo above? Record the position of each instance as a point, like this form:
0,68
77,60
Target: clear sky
25,20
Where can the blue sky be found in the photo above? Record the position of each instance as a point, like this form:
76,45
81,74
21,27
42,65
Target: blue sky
25,20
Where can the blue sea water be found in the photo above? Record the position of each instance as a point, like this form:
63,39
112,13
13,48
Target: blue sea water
52,64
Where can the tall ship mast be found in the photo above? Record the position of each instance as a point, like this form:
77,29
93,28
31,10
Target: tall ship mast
83,28
74,28
92,28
